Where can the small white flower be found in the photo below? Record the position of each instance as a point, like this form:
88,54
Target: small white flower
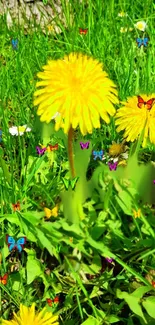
141,25
19,130
124,155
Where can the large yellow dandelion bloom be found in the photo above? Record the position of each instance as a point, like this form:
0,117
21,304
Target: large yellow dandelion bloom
134,119
27,316
79,90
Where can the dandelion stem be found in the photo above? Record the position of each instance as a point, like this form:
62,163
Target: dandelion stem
70,151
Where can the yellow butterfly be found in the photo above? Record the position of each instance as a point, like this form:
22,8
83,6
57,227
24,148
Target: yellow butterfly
137,213
51,213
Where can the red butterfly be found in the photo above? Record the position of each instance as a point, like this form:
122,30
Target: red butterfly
16,206
55,147
55,300
83,31
148,104
4,279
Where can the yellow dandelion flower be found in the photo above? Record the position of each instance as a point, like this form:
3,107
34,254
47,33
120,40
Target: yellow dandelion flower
79,90
27,316
134,119
141,25
116,149
137,213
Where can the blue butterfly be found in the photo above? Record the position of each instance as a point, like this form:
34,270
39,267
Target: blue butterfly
14,44
12,244
98,154
0,135
141,41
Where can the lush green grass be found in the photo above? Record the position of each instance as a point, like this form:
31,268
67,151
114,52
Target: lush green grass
50,264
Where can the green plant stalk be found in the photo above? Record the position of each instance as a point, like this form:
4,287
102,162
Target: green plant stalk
70,151
130,270
81,286
5,171
79,305
146,254
149,228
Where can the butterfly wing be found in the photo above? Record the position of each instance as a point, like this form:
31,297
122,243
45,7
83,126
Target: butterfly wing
16,206
101,154
110,165
66,183
145,41
4,279
83,31
40,151
87,145
150,103
115,165
49,301
55,147
94,154
82,145
138,212
139,42
48,213
11,242
20,243
14,43
56,299
140,102
73,182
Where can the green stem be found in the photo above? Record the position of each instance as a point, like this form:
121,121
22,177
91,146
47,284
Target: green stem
70,151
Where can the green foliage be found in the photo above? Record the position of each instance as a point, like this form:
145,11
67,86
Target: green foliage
66,255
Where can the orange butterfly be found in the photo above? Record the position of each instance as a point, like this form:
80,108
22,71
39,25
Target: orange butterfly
16,206
148,104
4,279
49,301
55,147
83,31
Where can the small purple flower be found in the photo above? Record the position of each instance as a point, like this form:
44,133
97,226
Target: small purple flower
154,181
109,260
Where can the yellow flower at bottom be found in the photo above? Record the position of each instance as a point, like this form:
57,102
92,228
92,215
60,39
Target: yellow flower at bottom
134,119
79,90
27,316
